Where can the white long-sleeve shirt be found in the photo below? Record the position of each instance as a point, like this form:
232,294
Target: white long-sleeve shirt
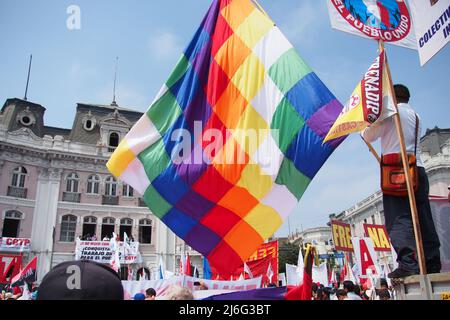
387,132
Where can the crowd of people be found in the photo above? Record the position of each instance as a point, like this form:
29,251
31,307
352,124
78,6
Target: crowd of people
351,291
99,282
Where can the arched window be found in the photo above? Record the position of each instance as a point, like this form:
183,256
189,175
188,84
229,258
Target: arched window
89,228
113,141
126,226
127,190
93,184
72,183
68,227
18,177
111,187
145,231
11,224
143,273
108,226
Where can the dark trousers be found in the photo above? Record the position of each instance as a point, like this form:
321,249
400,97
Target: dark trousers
400,228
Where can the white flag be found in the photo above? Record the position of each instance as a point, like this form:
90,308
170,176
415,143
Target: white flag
270,272
161,268
248,271
115,258
300,266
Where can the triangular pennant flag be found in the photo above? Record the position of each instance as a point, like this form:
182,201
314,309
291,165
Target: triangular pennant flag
370,102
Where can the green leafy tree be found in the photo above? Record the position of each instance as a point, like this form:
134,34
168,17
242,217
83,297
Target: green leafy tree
288,253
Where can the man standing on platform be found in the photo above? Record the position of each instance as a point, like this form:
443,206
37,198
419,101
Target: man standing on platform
397,209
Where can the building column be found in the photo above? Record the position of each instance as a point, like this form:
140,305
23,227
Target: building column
165,245
44,218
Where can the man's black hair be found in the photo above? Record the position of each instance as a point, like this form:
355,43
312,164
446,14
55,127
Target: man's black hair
384,294
341,293
150,292
349,286
402,93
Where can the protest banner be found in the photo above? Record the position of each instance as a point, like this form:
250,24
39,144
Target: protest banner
366,257
9,267
342,236
161,286
432,26
26,275
258,263
385,20
379,236
15,244
101,252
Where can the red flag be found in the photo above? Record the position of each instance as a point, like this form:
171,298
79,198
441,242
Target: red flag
188,266
27,275
303,291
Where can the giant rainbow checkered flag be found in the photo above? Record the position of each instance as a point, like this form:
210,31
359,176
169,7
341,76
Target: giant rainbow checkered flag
234,137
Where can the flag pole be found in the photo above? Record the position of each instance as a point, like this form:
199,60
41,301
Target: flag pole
409,182
371,149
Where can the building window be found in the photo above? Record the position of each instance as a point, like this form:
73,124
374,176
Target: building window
123,273
127,191
72,183
143,273
108,226
113,141
93,184
89,228
111,187
126,226
145,231
18,178
11,224
68,227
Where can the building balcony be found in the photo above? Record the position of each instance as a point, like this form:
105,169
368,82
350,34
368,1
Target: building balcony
110,200
17,192
71,197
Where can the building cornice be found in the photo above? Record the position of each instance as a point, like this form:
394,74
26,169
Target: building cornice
17,202
102,208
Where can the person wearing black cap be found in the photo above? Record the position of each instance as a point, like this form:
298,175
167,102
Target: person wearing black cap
81,280
396,209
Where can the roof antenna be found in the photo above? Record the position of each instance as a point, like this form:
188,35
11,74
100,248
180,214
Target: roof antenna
114,103
28,78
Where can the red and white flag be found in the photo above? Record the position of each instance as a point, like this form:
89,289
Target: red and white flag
270,272
248,271
26,275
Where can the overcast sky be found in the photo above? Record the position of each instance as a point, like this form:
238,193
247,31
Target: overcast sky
71,66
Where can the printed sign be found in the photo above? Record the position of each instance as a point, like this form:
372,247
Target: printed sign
379,236
15,244
342,236
366,257
161,286
432,26
101,252
258,263
387,20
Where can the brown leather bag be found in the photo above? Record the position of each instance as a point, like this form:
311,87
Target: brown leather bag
393,177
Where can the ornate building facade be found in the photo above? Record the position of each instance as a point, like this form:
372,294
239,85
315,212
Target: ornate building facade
55,186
